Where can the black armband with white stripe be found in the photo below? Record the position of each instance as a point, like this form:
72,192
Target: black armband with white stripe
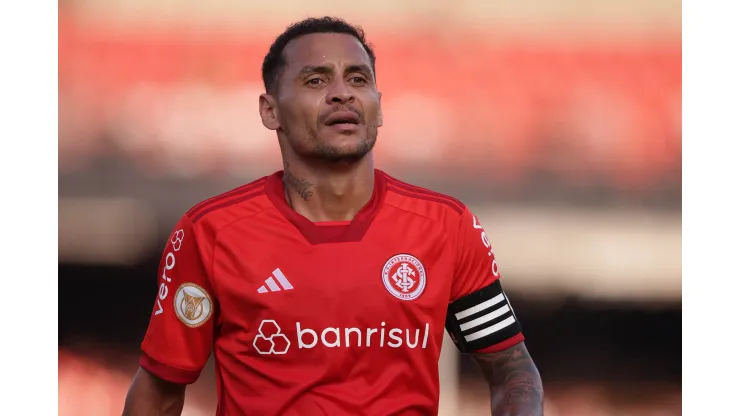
481,319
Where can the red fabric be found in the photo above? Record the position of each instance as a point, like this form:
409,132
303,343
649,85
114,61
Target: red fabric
503,345
166,372
476,260
174,344
332,223
338,334
318,234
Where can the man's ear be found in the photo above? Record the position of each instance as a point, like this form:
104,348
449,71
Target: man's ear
380,109
268,111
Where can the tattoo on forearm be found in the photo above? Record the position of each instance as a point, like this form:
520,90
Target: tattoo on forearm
516,387
303,187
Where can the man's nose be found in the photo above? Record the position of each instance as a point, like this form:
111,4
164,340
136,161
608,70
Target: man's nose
339,92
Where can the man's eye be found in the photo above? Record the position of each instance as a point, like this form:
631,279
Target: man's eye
314,81
358,80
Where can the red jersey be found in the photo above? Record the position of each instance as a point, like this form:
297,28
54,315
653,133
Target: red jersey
311,318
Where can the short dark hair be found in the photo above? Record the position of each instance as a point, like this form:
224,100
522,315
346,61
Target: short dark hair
274,63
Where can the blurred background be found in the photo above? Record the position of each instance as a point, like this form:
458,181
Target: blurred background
557,121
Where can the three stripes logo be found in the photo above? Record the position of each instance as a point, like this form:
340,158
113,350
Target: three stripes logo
482,319
271,285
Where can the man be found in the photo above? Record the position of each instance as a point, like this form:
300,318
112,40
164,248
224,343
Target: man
323,289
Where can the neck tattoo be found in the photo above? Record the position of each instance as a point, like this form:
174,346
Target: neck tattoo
303,187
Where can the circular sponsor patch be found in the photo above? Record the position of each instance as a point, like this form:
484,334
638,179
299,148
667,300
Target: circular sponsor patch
404,277
193,305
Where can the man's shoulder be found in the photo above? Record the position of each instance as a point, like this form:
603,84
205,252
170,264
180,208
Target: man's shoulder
423,201
230,206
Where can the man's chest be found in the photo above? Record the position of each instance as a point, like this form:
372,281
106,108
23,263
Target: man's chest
391,277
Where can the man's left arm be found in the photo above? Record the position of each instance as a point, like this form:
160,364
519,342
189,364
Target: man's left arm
513,380
482,323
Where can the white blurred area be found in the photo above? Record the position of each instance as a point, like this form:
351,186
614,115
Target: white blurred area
601,254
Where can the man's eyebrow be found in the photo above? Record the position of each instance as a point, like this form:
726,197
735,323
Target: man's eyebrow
359,68
315,69
326,69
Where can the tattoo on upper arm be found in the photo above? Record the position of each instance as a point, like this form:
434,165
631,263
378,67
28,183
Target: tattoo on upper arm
303,187
516,388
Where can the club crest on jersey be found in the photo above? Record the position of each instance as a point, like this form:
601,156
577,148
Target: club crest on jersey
404,277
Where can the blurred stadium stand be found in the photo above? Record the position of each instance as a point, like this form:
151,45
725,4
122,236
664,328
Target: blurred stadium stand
558,122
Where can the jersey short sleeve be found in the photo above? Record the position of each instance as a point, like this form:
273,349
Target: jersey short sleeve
178,340
479,316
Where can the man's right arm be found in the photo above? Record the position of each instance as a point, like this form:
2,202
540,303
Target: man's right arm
149,395
179,338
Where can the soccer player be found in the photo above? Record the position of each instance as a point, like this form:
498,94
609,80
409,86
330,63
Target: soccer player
325,288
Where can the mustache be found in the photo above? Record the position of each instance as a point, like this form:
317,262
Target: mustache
358,113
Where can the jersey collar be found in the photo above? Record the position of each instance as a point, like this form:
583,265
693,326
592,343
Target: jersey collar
321,234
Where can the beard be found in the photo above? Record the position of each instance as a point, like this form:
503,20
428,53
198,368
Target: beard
311,146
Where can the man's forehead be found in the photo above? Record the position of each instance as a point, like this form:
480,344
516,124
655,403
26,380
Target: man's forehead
324,48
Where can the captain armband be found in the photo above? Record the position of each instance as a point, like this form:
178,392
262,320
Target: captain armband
481,319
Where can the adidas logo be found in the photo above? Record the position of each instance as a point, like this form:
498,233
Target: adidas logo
273,286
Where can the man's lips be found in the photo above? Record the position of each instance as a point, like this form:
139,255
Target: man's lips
342,117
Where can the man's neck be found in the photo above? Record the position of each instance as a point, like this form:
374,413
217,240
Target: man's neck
329,194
